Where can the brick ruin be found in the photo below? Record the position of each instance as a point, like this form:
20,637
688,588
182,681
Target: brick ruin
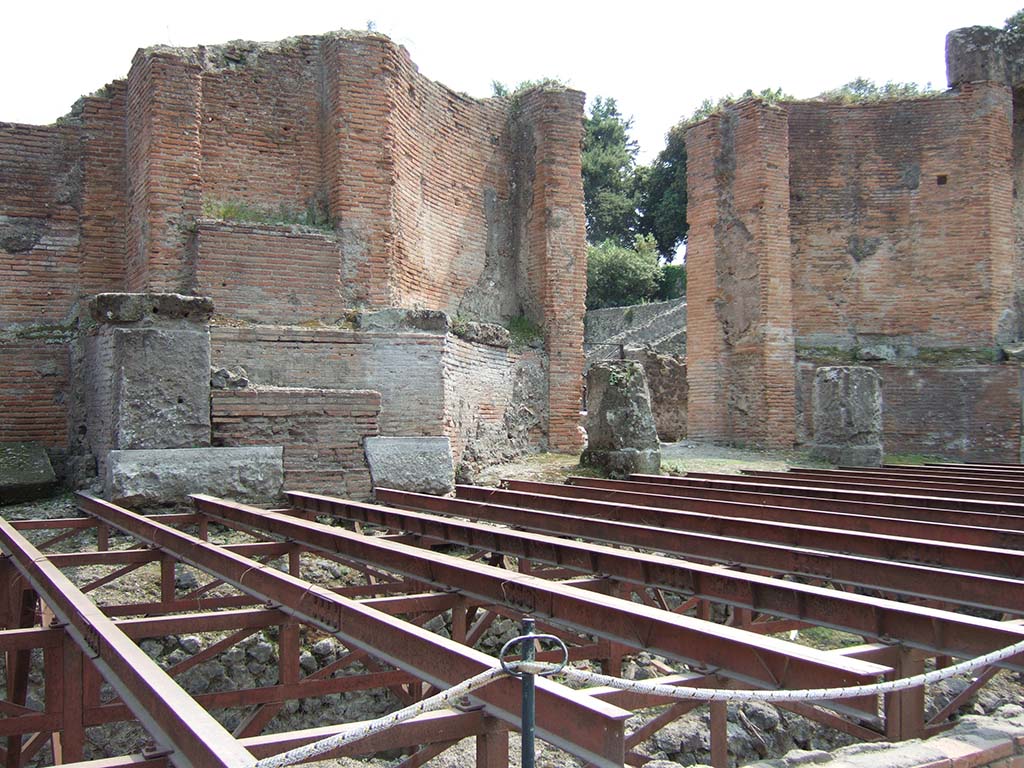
302,186
888,234
358,229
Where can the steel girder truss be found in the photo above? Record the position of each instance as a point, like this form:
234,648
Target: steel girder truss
613,567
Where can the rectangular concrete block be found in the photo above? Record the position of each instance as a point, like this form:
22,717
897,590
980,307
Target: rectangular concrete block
168,476
25,472
421,464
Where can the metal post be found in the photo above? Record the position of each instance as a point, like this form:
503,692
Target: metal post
528,654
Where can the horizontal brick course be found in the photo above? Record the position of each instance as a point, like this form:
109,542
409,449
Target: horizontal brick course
322,431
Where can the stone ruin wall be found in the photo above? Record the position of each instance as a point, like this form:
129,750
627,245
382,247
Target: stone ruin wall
423,199
879,234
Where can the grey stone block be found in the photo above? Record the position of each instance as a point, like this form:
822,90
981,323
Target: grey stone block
25,473
847,415
149,308
422,320
161,390
975,54
621,434
168,476
421,464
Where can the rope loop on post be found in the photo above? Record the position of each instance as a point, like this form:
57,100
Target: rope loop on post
546,670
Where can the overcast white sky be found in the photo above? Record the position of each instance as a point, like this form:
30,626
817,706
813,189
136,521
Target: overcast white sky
659,60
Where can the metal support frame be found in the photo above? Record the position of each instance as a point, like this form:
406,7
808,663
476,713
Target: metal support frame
940,527
957,587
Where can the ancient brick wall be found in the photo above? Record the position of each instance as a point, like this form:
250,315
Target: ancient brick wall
40,268
266,274
346,179
33,386
739,335
451,197
897,232
39,237
901,220
261,129
406,368
358,160
969,411
495,401
322,431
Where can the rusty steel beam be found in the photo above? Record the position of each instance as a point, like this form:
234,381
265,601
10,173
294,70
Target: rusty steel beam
991,560
879,525
589,729
432,727
958,587
1009,467
903,489
707,493
940,632
169,714
887,476
747,656
797,488
955,469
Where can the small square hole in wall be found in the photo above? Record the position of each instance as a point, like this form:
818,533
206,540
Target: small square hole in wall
941,179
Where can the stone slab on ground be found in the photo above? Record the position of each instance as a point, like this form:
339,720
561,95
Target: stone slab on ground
168,476
420,464
25,473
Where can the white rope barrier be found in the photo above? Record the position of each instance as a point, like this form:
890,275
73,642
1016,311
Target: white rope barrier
370,727
806,694
444,698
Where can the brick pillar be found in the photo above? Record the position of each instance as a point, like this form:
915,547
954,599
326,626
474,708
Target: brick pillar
164,160
554,248
103,191
989,157
740,350
359,161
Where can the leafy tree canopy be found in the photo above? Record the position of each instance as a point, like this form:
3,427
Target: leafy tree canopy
862,89
618,276
501,90
610,183
663,206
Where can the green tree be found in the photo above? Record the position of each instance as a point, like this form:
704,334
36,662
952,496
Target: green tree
618,276
611,188
861,89
663,204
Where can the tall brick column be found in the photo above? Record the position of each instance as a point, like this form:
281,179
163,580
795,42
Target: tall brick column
163,105
554,251
359,160
740,349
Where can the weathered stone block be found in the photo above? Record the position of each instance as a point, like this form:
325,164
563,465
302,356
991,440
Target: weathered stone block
147,380
621,435
396,319
847,415
421,464
974,54
666,381
149,308
161,393
160,477
25,472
